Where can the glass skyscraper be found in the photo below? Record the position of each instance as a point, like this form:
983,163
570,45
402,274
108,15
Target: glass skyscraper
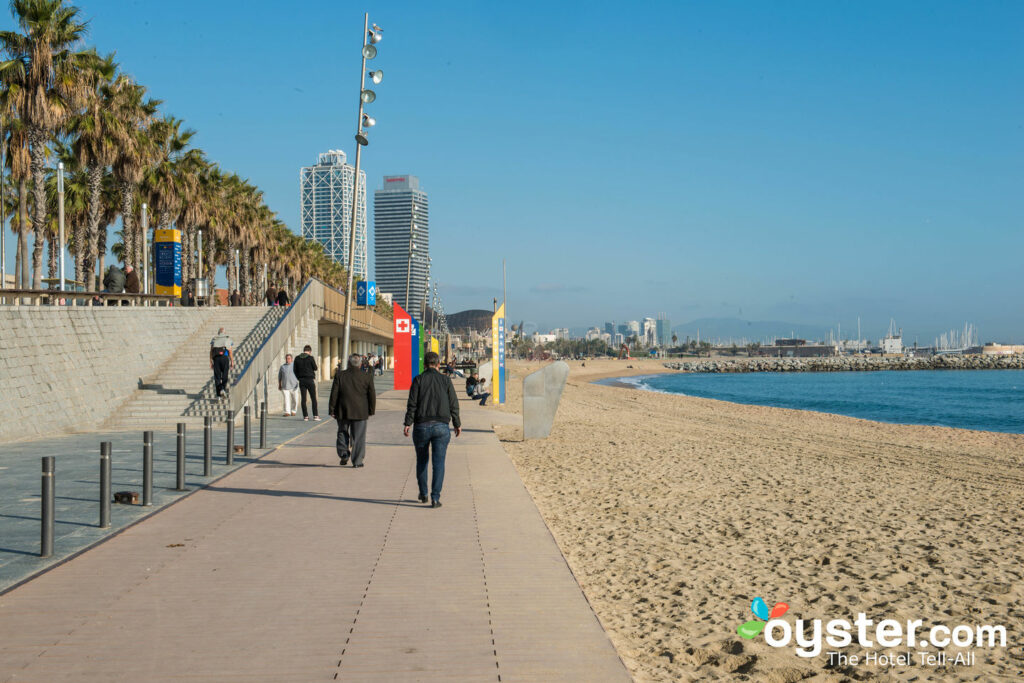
395,207
326,208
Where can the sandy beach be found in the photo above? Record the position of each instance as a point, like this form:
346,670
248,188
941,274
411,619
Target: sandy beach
674,513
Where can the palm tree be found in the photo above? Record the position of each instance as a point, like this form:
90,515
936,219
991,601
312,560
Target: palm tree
44,63
16,159
132,112
95,148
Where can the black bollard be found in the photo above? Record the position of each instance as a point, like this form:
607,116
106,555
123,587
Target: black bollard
147,467
181,457
263,424
207,446
105,485
247,426
46,532
230,424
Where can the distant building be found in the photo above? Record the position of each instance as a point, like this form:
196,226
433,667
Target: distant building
539,338
650,331
593,333
892,344
634,327
395,206
561,332
797,348
325,214
993,349
663,331
609,328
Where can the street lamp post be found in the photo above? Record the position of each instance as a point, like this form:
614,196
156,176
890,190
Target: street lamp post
366,96
412,248
60,220
145,248
3,216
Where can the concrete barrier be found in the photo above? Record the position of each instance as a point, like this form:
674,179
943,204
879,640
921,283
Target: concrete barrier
542,390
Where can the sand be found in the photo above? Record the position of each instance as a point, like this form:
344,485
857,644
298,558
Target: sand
675,512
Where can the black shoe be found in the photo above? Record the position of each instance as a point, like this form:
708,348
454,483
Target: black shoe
423,498
344,461
359,465
436,504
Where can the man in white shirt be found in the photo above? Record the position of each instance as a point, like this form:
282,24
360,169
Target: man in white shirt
288,383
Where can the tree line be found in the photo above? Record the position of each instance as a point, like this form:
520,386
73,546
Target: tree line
61,101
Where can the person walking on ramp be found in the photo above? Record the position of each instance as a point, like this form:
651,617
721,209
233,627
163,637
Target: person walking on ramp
305,370
222,359
432,404
353,401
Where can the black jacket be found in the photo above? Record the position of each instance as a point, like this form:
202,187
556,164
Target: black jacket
305,367
114,280
282,298
353,396
432,398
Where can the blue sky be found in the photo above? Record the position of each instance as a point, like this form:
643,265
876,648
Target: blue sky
799,161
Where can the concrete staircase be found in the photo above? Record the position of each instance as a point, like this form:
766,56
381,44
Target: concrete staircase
182,390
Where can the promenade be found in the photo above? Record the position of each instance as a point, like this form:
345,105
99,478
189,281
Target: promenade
295,569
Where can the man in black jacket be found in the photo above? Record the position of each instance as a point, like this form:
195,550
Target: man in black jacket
353,401
305,372
432,404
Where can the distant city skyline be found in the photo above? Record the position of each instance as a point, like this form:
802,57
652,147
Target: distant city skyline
803,162
326,191
398,205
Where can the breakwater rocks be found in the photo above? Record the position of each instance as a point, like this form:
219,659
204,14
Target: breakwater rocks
850,364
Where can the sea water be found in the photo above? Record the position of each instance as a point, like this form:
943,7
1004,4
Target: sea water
990,400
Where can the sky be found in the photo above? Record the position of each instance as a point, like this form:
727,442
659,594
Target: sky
805,161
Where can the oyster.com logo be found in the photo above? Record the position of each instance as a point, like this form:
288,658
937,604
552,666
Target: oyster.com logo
751,629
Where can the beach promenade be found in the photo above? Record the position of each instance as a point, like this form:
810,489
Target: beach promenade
295,569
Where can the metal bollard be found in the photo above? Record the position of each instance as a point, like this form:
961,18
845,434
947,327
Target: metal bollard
147,467
104,484
230,423
181,457
247,426
46,532
263,424
207,446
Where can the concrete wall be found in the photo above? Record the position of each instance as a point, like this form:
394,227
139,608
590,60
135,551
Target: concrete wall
67,368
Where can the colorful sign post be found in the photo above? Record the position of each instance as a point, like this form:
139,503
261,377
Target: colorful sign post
403,325
416,356
498,356
366,293
167,255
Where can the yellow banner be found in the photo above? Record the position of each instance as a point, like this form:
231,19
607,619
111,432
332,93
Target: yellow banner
498,356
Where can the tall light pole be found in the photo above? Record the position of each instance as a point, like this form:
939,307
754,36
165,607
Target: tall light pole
412,249
366,96
145,248
3,215
60,220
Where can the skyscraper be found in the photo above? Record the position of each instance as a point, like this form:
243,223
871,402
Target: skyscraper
325,193
396,206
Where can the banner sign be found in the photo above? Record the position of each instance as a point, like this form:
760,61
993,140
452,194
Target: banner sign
435,345
403,349
416,352
498,356
366,293
167,258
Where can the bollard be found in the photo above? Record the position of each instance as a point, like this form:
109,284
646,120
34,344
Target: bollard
231,441
147,467
46,532
247,426
263,424
104,484
207,446
181,457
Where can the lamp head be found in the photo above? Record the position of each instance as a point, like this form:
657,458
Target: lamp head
369,51
376,76
369,121
367,96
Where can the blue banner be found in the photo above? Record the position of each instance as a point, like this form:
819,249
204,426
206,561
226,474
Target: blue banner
366,293
415,352
167,261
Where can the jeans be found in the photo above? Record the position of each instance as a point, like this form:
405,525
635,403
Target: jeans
431,439
351,439
308,386
221,367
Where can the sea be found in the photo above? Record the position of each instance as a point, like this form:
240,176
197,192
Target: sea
988,400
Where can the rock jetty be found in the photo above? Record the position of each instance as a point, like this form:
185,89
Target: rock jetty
850,364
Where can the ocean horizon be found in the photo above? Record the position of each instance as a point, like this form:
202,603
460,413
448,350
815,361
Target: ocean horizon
986,400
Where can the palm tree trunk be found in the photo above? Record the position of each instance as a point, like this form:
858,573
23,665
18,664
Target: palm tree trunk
127,223
211,269
91,245
51,254
37,153
23,233
101,255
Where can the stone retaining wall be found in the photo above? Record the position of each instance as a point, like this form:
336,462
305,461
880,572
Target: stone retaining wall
64,369
851,364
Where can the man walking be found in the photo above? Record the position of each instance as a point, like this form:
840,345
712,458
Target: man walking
432,404
288,384
305,371
222,359
353,401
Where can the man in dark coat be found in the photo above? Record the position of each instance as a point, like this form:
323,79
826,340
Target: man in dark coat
131,281
113,281
305,371
353,401
271,296
236,298
282,297
432,404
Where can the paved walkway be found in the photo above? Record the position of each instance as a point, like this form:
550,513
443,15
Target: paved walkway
76,503
295,569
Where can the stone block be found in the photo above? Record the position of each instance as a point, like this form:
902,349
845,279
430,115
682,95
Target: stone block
542,390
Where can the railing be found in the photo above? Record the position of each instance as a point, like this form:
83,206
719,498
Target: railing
251,375
55,297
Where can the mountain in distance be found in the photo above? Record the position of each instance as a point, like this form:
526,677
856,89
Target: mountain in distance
724,329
